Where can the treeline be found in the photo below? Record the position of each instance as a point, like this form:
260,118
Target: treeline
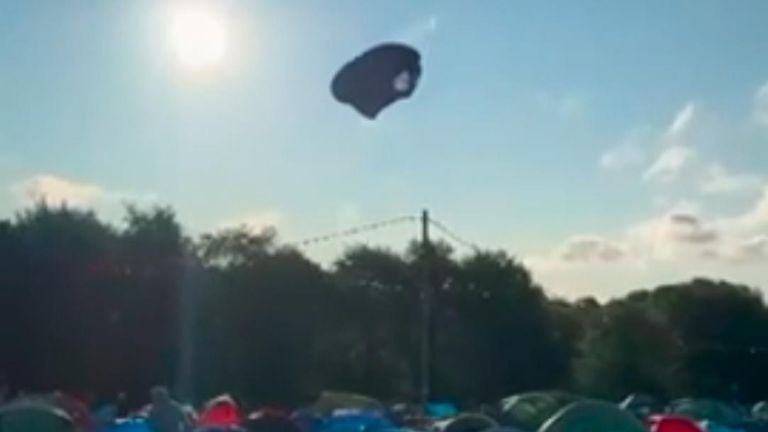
99,309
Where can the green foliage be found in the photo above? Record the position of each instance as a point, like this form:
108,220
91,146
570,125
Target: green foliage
88,306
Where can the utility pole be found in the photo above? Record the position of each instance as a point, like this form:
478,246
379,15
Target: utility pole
426,311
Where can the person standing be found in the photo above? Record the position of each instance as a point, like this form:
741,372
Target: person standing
165,414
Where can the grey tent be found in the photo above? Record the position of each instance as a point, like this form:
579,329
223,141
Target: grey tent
592,416
34,416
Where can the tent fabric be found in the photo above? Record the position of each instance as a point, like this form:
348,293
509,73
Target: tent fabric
270,422
230,428
131,425
76,409
666,423
377,78
220,411
363,422
706,409
34,416
592,416
641,405
710,426
528,411
468,422
332,401
760,411
306,420
503,429
441,410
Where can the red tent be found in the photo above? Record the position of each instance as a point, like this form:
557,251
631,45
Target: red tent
665,423
221,411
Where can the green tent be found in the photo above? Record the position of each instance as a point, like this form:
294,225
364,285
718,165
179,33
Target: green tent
592,416
641,405
706,409
330,401
528,411
760,411
467,422
34,416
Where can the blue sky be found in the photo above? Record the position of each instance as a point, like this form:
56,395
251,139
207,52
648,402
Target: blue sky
611,145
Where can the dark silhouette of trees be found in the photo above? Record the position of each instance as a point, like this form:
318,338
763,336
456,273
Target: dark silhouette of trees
88,306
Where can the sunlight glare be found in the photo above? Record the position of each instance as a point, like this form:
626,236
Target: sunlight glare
199,37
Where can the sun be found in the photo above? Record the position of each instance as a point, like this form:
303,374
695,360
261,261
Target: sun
198,36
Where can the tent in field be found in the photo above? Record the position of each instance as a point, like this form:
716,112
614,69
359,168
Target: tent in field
220,411
361,421
331,401
671,423
592,416
468,422
131,425
269,421
528,411
642,405
706,409
760,411
34,416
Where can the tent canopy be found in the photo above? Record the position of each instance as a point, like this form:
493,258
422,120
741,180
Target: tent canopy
34,416
528,411
468,422
331,401
592,416
706,409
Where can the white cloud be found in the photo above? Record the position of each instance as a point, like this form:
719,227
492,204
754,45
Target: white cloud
676,153
717,180
56,190
585,248
760,109
753,220
669,164
678,233
579,250
682,124
622,156
752,249
255,222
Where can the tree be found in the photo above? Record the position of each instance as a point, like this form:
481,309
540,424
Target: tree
631,349
261,318
498,335
724,330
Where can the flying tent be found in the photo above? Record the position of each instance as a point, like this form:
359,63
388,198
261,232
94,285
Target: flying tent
377,78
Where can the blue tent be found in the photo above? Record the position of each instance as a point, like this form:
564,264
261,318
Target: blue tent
131,425
356,422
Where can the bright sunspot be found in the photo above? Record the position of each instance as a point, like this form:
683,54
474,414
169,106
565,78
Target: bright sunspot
199,37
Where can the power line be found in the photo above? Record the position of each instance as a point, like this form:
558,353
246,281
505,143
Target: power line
453,236
353,231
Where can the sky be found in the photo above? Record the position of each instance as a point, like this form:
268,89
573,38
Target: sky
610,146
